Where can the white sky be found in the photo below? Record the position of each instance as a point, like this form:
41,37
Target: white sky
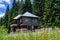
0,1
8,1
1,15
2,6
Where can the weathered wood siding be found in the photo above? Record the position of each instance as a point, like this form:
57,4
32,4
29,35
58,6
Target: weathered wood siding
30,21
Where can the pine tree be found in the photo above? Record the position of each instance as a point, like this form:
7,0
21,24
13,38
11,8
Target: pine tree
38,8
27,6
7,17
47,14
20,6
14,9
55,13
1,22
51,13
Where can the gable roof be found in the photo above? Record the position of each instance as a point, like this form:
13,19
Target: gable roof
28,14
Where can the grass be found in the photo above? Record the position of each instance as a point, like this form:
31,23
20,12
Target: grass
41,34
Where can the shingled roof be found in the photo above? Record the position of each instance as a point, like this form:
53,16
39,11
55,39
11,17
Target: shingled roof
27,14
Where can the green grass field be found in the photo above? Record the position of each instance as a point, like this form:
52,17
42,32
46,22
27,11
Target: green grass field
41,34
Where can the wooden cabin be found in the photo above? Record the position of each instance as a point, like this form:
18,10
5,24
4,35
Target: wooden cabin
26,20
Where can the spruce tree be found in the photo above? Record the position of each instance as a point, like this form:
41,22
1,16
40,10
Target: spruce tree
38,8
1,22
55,13
20,6
6,18
27,6
47,14
14,9
51,13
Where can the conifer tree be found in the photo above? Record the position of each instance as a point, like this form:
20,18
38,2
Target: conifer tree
6,18
38,8
14,9
1,22
47,14
55,18
51,13
27,6
20,6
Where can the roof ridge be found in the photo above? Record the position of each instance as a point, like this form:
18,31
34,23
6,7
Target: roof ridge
27,14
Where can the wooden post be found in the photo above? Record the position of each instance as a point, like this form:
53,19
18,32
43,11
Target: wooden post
11,28
21,29
33,28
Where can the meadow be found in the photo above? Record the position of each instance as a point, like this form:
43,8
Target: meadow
39,34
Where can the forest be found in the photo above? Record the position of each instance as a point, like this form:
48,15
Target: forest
47,10
49,16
